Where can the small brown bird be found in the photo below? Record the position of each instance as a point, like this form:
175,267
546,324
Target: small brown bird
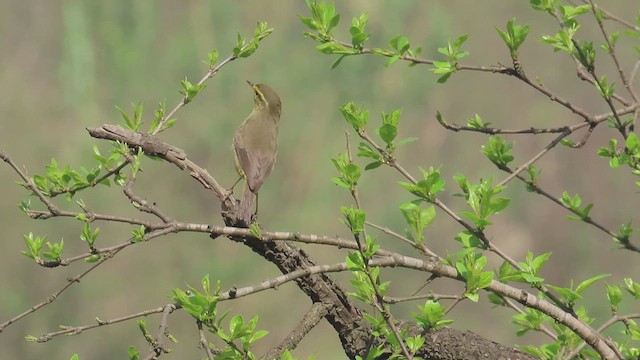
255,147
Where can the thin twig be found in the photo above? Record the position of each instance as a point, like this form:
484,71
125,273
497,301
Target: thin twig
421,247
604,326
56,294
612,52
184,101
311,318
529,162
204,344
377,301
429,296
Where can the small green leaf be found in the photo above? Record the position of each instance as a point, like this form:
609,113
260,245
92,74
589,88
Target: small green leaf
212,58
431,316
355,219
189,91
586,283
388,133
355,115
498,151
614,294
255,230
632,143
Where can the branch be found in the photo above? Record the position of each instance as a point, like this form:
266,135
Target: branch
350,326
377,300
152,145
29,184
317,312
76,330
56,294
185,100
204,344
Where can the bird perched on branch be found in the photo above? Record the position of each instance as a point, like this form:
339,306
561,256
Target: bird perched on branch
255,147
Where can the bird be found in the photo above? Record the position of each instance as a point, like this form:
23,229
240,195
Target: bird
255,147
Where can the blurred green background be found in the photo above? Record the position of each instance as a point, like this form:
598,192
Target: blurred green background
65,65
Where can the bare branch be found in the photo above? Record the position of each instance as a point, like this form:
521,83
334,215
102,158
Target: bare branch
316,313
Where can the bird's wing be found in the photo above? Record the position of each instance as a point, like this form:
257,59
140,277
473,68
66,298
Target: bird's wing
256,166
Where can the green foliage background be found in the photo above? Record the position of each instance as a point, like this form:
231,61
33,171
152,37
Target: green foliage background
66,64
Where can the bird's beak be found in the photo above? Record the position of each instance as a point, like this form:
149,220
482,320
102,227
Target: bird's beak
250,83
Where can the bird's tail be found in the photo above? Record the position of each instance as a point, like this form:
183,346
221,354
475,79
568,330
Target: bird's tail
247,207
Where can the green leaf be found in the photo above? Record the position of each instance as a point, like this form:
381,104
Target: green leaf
532,267
349,172
573,203
323,20
358,36
531,319
570,296
563,40
614,294
138,234
624,233
585,53
355,219
373,165
632,287
134,354
34,246
605,89
355,262
570,12
338,181
431,316
55,251
514,36
470,268
469,240
364,150
586,283
89,236
406,141
400,44
388,133
498,151
632,143
483,200
92,258
255,230
389,129
334,48
538,261
418,219
428,188
168,124
507,273
337,62
355,115
544,5
189,91
477,123
286,355
212,58
158,116
453,53
202,306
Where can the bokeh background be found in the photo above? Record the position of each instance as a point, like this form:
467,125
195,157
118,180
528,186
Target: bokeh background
65,65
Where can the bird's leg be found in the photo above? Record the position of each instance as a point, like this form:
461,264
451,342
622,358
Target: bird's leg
230,191
256,213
